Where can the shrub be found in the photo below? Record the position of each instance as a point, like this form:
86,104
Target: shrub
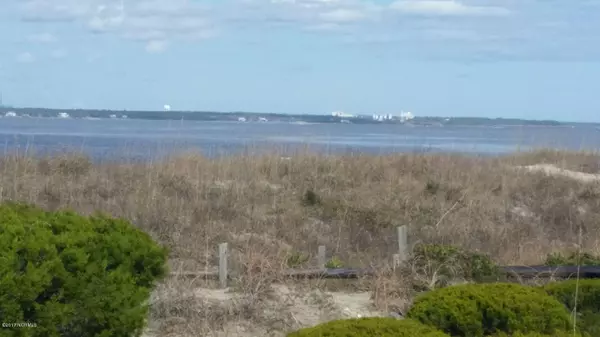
476,310
538,334
296,259
73,275
572,259
588,322
588,302
588,295
369,327
334,263
441,264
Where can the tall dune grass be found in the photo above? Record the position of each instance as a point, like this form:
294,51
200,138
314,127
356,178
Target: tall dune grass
192,203
270,206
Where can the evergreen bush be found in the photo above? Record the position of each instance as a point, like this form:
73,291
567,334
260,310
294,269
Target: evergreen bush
477,310
369,327
588,301
74,276
538,334
442,264
572,259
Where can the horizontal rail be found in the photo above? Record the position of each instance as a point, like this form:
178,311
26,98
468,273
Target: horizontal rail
557,271
223,274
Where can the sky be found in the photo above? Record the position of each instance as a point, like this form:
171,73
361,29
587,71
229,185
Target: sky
534,59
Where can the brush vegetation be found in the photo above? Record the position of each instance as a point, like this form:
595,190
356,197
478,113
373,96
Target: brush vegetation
478,310
370,327
275,211
538,334
582,297
74,276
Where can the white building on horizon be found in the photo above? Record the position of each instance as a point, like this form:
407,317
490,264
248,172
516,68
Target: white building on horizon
403,117
341,114
384,117
406,116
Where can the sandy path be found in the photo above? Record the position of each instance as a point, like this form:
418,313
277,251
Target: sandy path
302,309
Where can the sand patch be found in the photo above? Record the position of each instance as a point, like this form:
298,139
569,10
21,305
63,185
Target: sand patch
555,170
286,310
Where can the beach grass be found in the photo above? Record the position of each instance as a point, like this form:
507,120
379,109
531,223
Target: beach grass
275,209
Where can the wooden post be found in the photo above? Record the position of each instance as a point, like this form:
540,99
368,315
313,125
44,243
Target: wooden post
322,257
223,265
396,261
402,243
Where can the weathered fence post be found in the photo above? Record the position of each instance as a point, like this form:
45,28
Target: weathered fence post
223,255
322,257
396,261
402,256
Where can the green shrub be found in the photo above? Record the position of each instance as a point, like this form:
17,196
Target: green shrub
538,334
588,302
334,263
369,327
588,294
476,310
572,259
588,322
74,276
442,264
296,259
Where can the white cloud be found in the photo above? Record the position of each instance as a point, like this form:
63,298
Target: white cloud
170,20
445,8
42,38
156,46
170,8
144,20
309,3
421,27
102,21
342,15
323,15
25,57
54,10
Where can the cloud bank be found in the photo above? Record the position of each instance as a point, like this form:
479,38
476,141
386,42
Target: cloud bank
504,27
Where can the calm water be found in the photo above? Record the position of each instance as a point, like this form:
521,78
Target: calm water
138,139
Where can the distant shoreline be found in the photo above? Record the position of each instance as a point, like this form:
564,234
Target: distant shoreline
276,117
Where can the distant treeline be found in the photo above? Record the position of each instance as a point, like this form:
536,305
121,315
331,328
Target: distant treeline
493,121
253,116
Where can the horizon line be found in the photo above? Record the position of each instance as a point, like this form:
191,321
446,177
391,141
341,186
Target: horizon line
285,114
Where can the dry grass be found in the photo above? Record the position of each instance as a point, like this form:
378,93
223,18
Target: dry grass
268,207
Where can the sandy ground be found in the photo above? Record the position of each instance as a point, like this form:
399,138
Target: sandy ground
555,170
288,310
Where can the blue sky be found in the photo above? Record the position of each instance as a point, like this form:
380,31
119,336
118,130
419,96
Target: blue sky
498,58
